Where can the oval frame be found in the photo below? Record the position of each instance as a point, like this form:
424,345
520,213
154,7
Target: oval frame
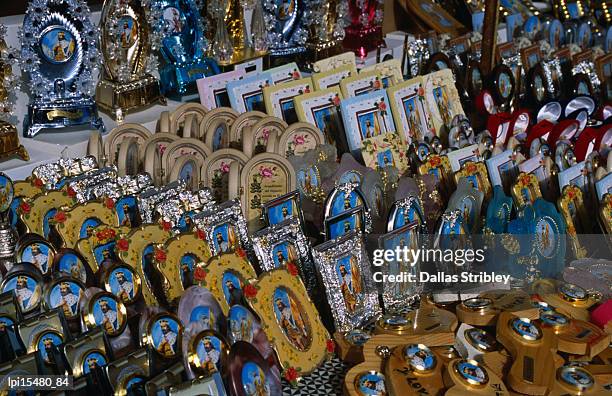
249,141
113,141
284,139
244,120
213,120
237,157
178,115
305,361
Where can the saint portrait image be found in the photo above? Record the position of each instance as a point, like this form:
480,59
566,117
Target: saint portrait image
372,384
281,212
46,219
412,109
70,264
128,32
283,253
444,106
188,264
285,9
254,380
385,159
127,210
121,281
526,329
39,255
224,238
289,316
67,296
343,202
344,224
232,288
46,341
58,45
7,193
93,360
165,334
471,372
546,237
422,358
88,227
202,315
240,324
209,352
105,254
106,315
26,290
187,173
308,180
349,279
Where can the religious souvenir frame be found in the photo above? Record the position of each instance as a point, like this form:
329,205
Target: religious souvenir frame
390,72
299,138
279,100
247,94
129,61
148,200
202,367
137,248
215,127
182,46
71,262
332,78
28,275
228,220
37,213
221,173
468,200
301,349
526,189
328,257
213,89
34,249
103,239
263,136
321,109
442,100
285,245
410,112
477,176
365,116
95,302
334,62
264,171
178,257
164,349
59,53
244,358
86,217
383,151
226,268
83,351
360,84
502,170
242,124
435,17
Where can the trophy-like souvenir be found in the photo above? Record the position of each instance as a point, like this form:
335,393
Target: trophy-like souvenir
288,23
182,46
328,32
130,38
59,55
364,32
8,236
9,139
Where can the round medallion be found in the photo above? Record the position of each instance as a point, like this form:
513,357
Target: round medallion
471,372
480,339
241,324
254,381
208,352
57,44
45,342
93,359
107,311
504,85
164,334
27,291
572,293
370,383
553,318
357,337
526,329
547,239
39,253
576,377
7,192
420,357
123,282
477,303
65,293
394,322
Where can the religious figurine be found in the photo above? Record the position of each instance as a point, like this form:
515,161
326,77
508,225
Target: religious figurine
328,32
9,139
288,23
59,55
182,46
364,32
129,43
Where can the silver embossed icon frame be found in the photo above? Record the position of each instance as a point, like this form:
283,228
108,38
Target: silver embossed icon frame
328,257
285,243
150,198
229,213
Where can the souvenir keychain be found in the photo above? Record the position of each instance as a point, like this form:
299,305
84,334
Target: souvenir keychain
533,353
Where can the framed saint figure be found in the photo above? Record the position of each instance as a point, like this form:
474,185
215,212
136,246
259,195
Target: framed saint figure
366,116
442,99
285,73
279,98
247,94
321,109
333,77
361,84
410,111
213,89
345,271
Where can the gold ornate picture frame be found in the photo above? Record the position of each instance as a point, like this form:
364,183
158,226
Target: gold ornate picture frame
227,276
332,78
37,213
99,248
526,189
439,167
137,249
83,218
184,252
477,175
290,320
572,208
